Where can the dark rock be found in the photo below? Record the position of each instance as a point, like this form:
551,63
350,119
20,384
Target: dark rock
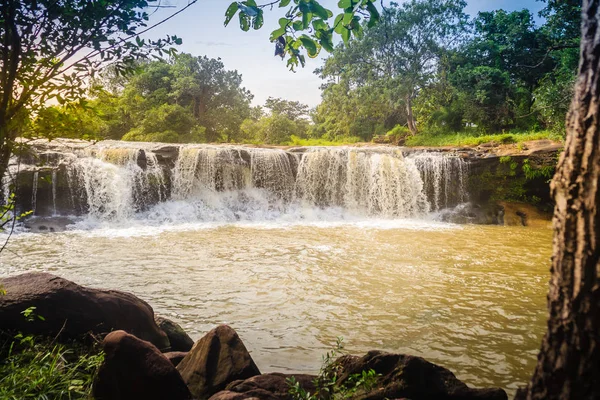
180,341
410,377
74,311
471,213
216,360
258,394
135,369
266,386
175,356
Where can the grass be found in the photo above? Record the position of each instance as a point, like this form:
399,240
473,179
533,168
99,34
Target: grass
36,368
472,139
296,141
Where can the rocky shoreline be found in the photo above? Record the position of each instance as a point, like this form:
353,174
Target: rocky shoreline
149,357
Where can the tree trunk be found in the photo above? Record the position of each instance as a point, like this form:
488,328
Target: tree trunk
410,118
569,360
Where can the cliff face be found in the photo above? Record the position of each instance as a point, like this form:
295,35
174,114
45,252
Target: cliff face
69,177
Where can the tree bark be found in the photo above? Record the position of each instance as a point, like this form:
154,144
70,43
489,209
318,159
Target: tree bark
569,360
410,118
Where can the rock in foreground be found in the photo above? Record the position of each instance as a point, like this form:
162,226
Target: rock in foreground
135,369
216,360
180,341
410,377
74,311
266,387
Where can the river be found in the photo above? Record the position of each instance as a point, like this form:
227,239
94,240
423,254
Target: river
470,298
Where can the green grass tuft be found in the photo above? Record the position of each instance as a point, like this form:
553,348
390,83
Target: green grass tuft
472,139
35,368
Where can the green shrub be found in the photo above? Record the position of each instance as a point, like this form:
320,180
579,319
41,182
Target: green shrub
326,383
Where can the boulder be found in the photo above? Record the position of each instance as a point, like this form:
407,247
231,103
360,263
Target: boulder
403,376
136,369
216,360
180,341
267,387
73,311
175,356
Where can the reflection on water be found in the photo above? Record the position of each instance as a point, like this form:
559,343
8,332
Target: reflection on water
470,298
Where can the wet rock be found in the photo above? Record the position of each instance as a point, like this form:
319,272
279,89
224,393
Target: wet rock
216,360
267,386
403,376
180,341
471,213
175,356
135,369
74,311
47,224
522,214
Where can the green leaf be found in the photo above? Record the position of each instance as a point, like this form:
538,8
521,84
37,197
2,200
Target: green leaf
337,24
346,35
326,42
284,3
298,25
244,23
347,18
283,22
320,25
318,9
345,3
310,46
258,21
276,34
373,14
233,7
306,18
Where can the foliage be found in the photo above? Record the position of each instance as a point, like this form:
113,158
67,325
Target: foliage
533,172
7,214
326,383
425,64
399,54
35,368
310,17
51,49
184,99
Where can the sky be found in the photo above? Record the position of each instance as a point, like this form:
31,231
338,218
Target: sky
252,55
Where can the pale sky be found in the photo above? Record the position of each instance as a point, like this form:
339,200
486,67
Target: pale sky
251,53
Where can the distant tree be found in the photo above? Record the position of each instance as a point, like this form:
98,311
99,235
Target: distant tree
293,110
401,52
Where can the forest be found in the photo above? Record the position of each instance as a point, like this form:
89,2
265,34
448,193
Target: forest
426,74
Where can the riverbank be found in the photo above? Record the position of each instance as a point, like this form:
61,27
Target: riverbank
157,360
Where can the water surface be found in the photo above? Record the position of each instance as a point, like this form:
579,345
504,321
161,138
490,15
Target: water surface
471,298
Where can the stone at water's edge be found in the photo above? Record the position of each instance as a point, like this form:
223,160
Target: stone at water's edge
415,378
74,311
135,369
180,341
265,387
216,360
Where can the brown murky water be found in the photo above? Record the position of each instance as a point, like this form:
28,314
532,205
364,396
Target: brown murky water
470,298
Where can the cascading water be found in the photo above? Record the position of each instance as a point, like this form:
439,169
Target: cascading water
120,181
444,179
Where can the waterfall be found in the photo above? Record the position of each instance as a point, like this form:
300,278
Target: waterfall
121,181
377,183
34,190
444,179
